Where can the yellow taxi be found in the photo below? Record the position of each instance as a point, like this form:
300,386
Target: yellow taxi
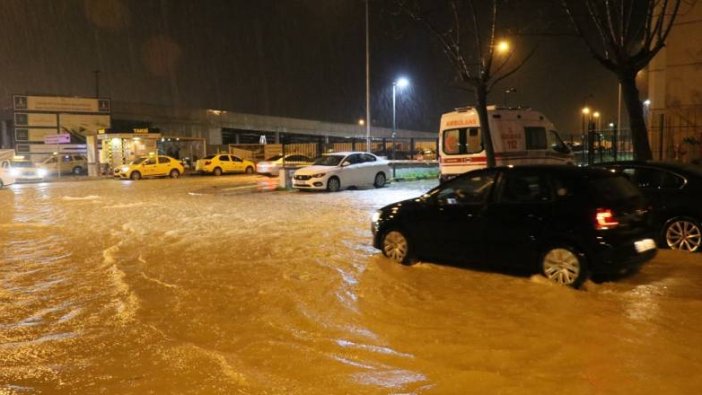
151,166
224,163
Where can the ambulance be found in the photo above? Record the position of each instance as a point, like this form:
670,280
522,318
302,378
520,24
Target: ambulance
519,136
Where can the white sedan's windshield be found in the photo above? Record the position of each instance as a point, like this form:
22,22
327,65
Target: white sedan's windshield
329,160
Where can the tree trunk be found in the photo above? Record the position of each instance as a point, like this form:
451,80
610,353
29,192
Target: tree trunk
486,136
637,123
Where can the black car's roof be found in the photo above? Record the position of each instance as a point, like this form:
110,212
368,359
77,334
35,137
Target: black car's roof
683,168
561,169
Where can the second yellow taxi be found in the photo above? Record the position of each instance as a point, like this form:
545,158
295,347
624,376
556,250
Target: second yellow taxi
151,166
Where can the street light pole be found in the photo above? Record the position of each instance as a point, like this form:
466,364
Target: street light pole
97,83
398,83
394,125
368,114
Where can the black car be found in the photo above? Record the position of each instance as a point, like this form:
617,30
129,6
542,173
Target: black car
566,222
675,191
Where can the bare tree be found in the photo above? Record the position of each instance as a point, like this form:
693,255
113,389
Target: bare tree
468,32
624,36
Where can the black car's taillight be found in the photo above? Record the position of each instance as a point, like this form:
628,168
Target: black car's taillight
604,219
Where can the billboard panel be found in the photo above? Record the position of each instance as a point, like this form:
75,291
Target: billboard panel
61,104
33,134
83,124
36,119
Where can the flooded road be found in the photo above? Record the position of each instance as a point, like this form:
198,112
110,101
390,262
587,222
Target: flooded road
200,285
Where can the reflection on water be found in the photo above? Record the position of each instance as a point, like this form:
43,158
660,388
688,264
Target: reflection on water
174,286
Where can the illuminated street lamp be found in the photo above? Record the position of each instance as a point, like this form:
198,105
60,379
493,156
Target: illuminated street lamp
401,82
502,47
361,121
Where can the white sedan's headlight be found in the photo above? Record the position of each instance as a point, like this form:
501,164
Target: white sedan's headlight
318,175
14,172
41,172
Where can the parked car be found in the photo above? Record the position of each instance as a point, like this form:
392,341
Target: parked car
335,171
224,163
25,171
565,222
675,191
272,165
66,164
152,166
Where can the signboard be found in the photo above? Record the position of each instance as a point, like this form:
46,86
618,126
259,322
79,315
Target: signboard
41,149
33,134
63,138
61,104
35,120
83,124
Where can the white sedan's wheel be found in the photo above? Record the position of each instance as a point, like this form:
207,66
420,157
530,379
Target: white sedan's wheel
379,181
563,266
333,184
683,234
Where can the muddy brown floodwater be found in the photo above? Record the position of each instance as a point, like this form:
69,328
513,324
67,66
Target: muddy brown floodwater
202,286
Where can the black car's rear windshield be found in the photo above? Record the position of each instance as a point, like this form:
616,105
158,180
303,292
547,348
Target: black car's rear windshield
613,189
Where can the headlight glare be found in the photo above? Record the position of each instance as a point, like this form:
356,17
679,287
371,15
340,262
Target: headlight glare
318,175
41,172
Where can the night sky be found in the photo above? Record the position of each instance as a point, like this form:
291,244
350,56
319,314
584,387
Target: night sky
292,58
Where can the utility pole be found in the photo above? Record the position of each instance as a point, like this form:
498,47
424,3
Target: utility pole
368,111
97,83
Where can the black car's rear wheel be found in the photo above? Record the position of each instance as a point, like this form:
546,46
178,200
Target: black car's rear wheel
565,266
683,234
397,247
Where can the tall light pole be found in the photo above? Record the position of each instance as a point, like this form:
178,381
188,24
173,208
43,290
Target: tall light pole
398,83
584,119
368,115
97,83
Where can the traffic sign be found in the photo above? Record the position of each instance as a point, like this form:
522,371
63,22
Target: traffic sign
61,138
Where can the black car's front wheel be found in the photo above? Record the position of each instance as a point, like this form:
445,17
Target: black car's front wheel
397,247
683,234
565,266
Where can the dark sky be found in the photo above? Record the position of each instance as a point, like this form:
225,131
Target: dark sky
294,58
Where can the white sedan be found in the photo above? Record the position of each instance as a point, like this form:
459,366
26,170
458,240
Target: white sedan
335,171
272,165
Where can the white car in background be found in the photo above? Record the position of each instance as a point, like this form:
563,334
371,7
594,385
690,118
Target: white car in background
272,165
5,177
20,170
339,170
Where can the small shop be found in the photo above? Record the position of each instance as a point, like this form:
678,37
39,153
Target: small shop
119,148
